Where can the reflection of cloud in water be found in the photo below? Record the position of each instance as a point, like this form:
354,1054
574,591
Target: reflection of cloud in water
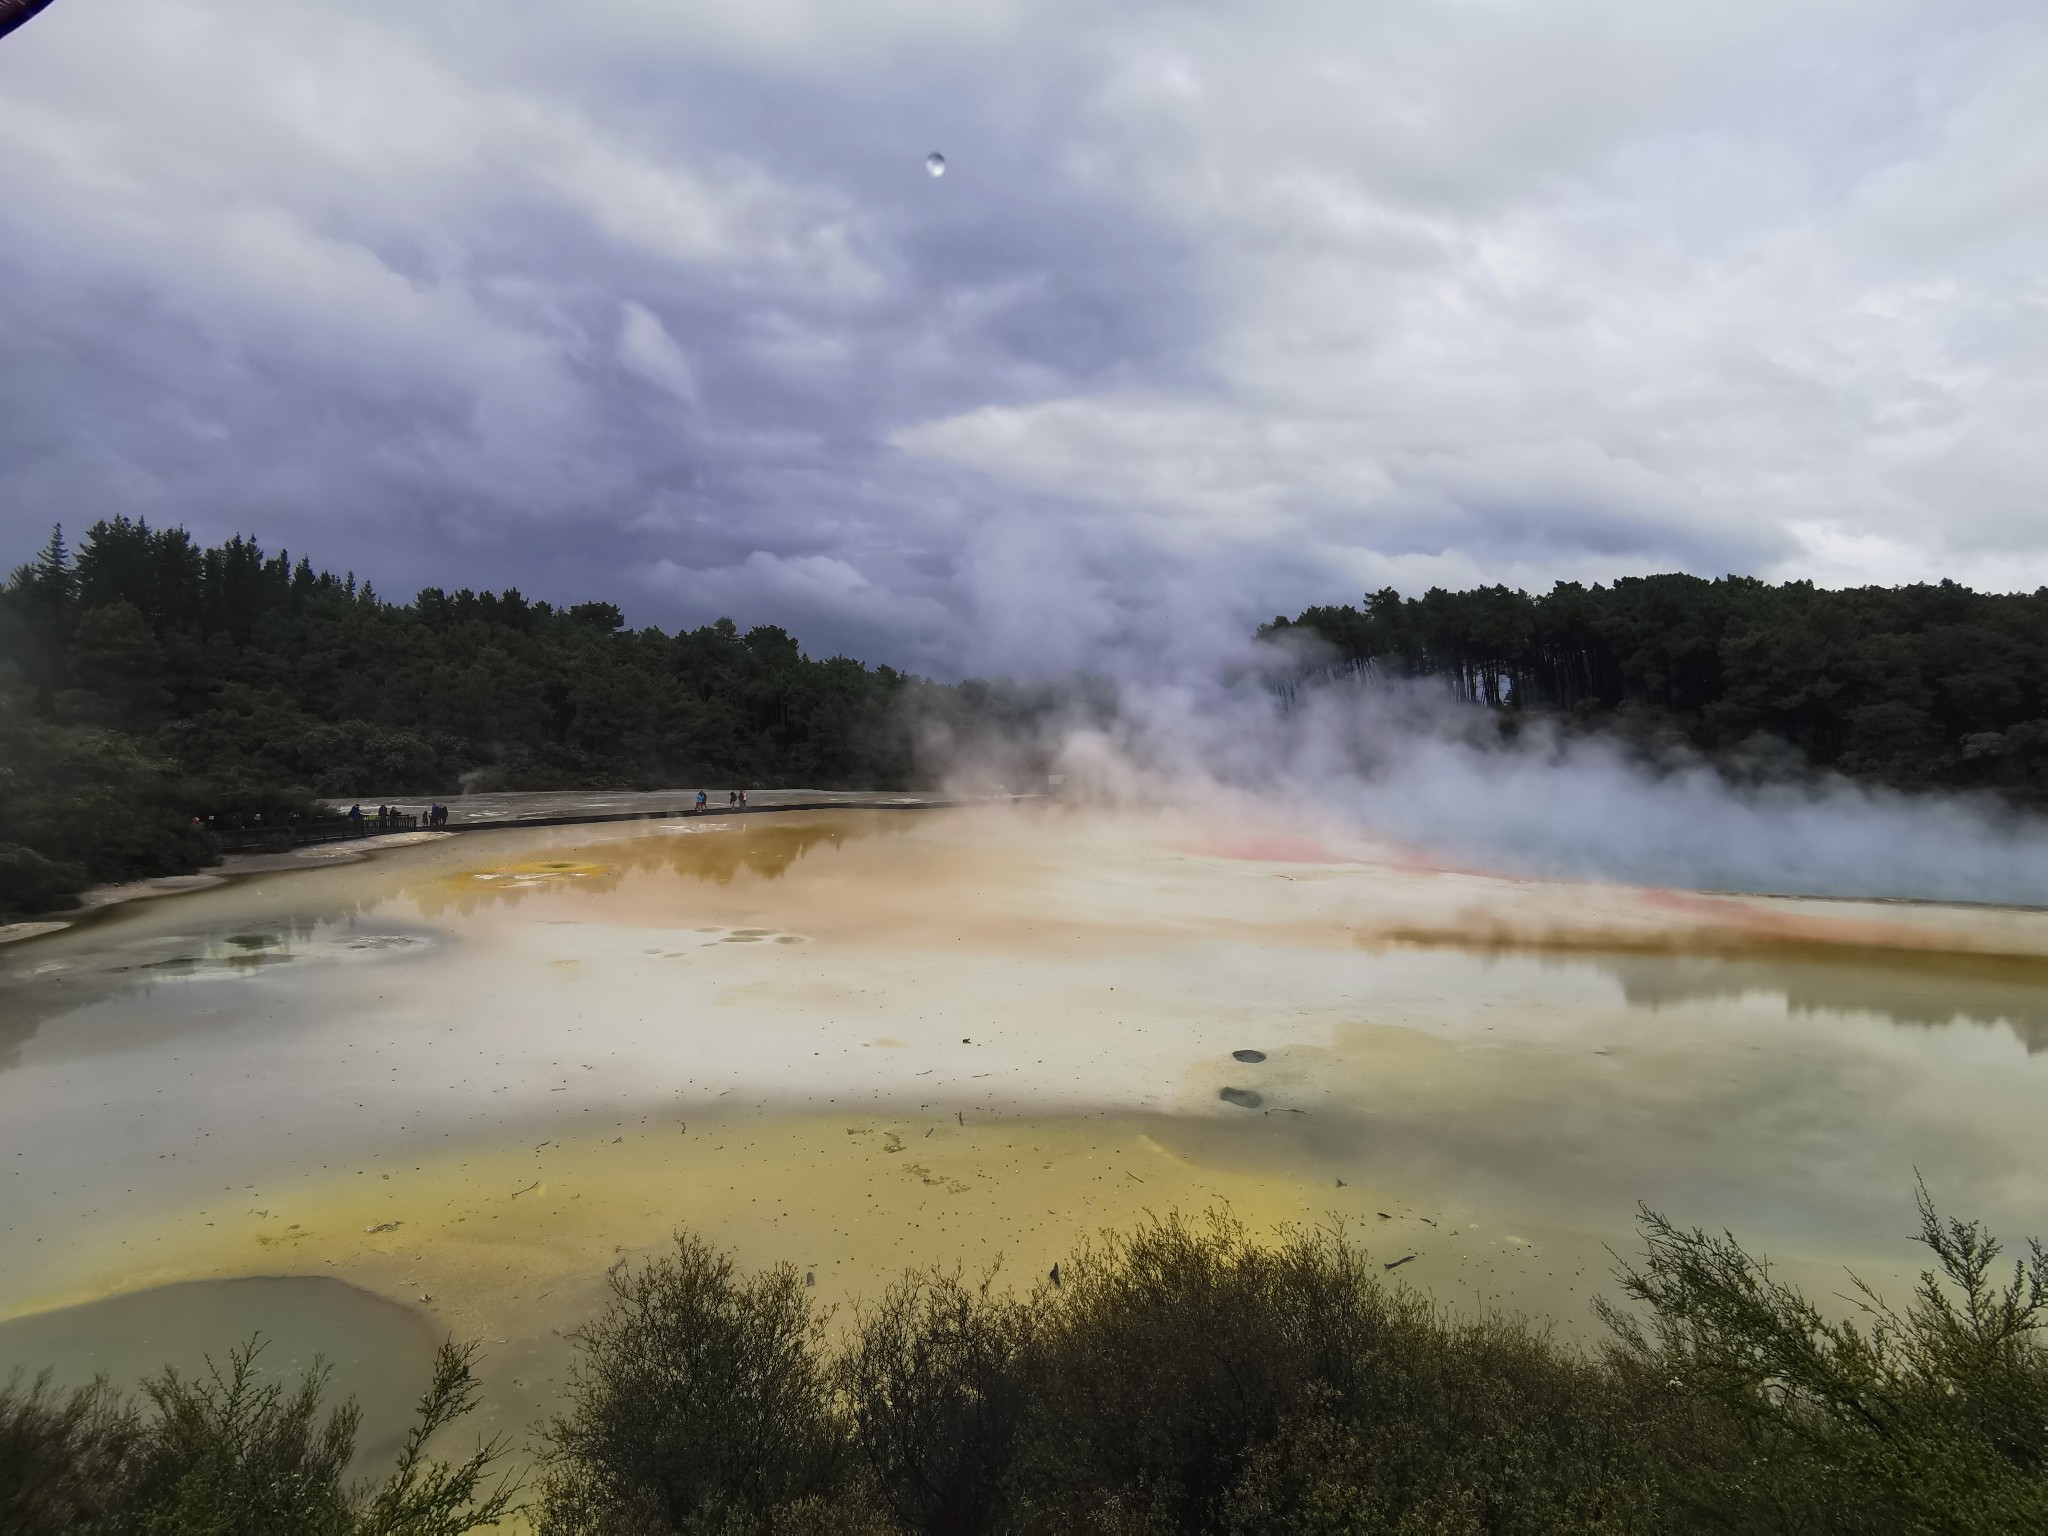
766,850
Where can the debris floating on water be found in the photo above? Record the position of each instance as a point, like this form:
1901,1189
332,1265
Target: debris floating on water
1243,1098
1398,1262
1248,1056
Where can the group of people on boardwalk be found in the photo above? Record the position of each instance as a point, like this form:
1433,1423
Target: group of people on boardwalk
389,818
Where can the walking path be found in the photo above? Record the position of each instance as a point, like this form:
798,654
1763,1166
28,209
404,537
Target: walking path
549,808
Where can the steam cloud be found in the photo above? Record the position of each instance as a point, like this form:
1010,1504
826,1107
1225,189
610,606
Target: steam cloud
1403,764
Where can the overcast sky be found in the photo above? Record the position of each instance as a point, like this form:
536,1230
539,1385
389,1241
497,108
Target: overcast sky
1219,310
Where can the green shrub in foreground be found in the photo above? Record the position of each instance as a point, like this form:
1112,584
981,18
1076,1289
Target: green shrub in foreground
227,1455
1184,1378
1180,1375
701,1402
935,1386
1930,1419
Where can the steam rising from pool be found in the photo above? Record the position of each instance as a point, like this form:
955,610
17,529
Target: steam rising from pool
1404,766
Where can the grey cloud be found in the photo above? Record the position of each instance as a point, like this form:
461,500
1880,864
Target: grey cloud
1219,312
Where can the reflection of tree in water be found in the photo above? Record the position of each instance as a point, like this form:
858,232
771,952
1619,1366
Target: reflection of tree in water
766,849
94,963
1923,990
22,1011
480,890
98,963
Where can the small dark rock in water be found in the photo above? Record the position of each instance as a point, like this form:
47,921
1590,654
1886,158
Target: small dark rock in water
810,1277
1243,1098
1247,1055
1340,1184
1055,1276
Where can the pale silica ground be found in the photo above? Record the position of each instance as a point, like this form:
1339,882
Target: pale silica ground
469,1075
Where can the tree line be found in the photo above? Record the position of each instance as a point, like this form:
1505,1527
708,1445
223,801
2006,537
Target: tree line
146,680
1182,1378
1915,687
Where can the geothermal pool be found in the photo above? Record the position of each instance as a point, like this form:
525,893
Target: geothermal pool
445,1089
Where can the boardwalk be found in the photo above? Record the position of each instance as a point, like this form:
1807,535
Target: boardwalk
542,808
555,808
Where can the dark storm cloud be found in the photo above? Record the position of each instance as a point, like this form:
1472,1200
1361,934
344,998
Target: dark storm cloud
1215,312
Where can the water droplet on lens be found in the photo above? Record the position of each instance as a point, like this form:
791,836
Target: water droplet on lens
935,163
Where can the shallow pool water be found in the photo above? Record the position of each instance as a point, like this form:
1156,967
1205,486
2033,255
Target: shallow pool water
469,1076
377,1351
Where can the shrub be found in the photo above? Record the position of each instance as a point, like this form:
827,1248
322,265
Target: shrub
934,1385
1934,1419
700,1402
30,883
1186,1378
62,1456
1182,1379
227,1455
